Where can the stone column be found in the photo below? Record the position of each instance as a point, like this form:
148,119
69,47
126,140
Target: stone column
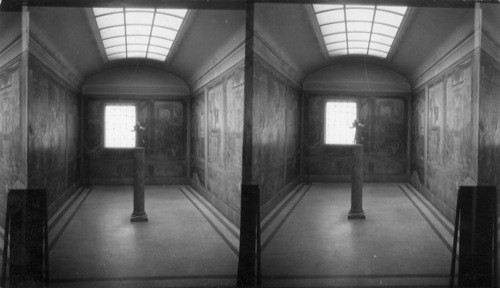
139,214
356,211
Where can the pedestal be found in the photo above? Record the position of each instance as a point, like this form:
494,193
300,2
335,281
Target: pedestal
139,214
356,211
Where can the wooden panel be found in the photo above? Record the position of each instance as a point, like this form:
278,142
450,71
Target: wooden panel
11,156
198,132
418,137
46,131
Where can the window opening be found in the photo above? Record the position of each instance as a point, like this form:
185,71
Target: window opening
119,125
339,122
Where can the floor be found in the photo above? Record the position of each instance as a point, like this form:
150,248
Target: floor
307,240
316,245
178,246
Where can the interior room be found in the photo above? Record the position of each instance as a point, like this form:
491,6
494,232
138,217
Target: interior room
308,102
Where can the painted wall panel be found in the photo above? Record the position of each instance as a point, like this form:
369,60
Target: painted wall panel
418,131
276,133
53,133
293,129
217,141
489,122
198,132
12,167
451,158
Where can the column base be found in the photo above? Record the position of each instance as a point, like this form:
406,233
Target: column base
139,218
356,215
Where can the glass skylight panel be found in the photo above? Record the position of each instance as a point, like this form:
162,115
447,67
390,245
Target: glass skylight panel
144,18
168,21
388,18
110,20
137,40
138,32
395,9
181,13
154,56
113,32
324,7
160,42
337,52
163,33
102,11
116,41
337,46
333,28
385,30
382,39
359,51
358,36
377,53
380,47
331,16
158,50
356,14
335,38
359,29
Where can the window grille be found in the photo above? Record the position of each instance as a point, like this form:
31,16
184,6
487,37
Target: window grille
340,116
119,126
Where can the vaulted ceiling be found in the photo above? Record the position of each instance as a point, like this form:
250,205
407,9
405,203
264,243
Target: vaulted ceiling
288,28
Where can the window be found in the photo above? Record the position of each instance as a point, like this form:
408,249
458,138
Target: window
137,32
359,29
339,119
119,122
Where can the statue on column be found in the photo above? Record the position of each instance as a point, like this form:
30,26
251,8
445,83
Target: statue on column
141,130
358,136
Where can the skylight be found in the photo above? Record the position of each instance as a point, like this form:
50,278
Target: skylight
359,29
138,33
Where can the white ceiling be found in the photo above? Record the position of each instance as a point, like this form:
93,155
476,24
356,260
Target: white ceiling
288,27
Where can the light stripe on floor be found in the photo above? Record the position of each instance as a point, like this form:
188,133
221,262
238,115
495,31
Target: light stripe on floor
278,222
66,219
226,235
440,230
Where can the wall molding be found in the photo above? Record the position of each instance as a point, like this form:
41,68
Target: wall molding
460,50
273,202
351,87
218,78
47,57
490,46
280,63
231,214
366,178
11,52
96,91
227,62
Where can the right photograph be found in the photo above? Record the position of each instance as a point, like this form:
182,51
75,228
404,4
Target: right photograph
375,144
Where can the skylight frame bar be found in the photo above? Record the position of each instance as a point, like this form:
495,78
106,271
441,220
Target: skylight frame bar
151,31
371,30
345,22
329,43
125,30
380,23
176,16
380,50
386,35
